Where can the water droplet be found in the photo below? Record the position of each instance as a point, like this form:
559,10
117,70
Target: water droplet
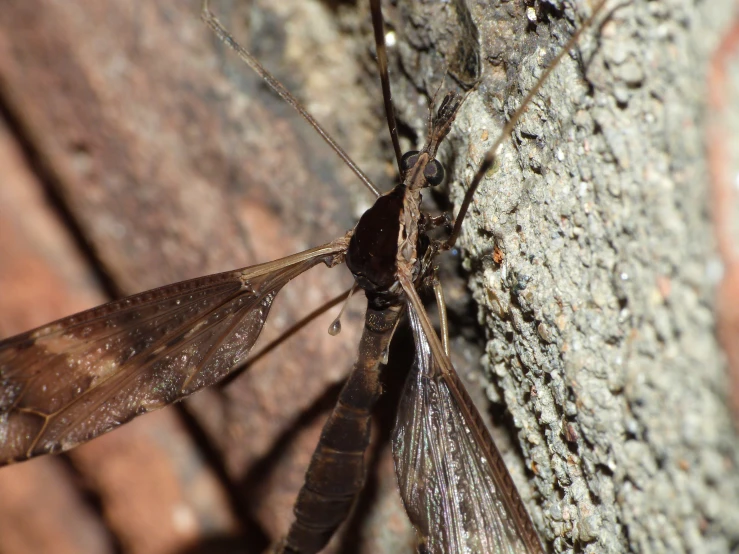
335,328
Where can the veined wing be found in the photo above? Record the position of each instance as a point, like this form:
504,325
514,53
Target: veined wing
72,380
454,484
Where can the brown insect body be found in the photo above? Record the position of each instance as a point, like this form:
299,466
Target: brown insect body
384,247
69,381
387,238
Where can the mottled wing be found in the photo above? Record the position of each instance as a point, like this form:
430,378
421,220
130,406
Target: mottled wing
454,494
72,380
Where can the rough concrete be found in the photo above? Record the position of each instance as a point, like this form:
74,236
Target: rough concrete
588,249
592,259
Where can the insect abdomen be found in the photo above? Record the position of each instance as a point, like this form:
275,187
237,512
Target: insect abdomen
336,472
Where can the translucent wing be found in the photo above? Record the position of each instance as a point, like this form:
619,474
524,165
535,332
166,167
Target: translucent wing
458,499
72,380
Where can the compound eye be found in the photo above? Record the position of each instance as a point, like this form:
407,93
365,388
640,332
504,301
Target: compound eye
408,160
434,173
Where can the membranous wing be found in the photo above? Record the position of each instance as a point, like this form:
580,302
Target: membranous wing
458,494
72,380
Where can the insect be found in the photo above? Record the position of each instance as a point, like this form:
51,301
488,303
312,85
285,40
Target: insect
249,278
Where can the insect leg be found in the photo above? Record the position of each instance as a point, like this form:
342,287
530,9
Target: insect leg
491,154
267,348
212,21
382,64
441,305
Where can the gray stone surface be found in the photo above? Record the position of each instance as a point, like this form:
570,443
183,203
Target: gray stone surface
599,316
588,249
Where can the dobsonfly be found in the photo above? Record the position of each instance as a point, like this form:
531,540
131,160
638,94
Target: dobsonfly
149,350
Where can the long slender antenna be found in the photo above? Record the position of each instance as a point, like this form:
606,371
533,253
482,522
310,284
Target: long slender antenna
491,154
212,21
379,28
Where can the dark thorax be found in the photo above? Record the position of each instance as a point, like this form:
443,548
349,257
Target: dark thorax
390,237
